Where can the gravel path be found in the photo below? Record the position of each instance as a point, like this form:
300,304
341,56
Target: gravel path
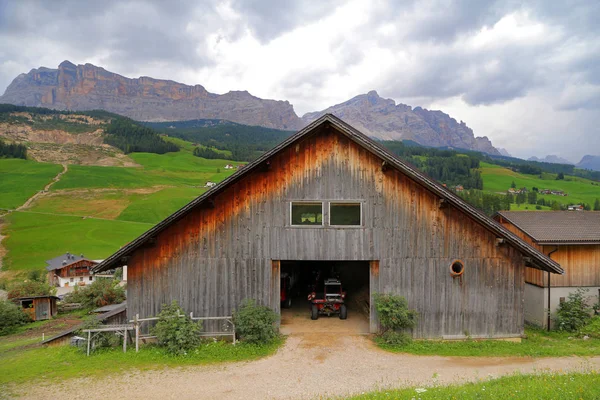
308,366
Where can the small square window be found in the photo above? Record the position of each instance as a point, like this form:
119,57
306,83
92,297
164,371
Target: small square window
71,279
345,214
91,278
81,278
307,213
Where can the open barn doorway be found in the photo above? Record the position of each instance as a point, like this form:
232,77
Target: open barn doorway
347,279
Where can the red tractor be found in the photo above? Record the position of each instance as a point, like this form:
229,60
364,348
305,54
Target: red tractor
331,301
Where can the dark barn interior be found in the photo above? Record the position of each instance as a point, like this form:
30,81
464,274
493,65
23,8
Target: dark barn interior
300,278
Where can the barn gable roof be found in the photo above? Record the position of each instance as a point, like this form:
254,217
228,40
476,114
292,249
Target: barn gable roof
556,227
536,258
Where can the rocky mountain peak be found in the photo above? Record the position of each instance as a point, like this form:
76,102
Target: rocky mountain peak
383,119
87,87
67,65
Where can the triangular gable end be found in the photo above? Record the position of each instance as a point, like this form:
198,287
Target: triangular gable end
535,258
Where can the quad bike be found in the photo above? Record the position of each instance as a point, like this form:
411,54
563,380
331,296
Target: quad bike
331,301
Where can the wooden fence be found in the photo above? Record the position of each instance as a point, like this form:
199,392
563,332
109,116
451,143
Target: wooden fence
141,325
227,328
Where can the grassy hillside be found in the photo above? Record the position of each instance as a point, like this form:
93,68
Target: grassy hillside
95,210
579,190
22,178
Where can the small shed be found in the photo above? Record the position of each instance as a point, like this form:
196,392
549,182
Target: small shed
39,307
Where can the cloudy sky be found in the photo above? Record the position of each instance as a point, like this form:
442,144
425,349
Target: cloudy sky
525,74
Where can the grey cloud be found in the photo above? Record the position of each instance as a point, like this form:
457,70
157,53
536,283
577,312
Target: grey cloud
270,18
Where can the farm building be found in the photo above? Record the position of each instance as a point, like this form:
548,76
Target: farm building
331,201
70,270
39,307
572,240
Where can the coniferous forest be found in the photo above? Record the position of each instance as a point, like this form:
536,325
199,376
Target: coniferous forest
13,150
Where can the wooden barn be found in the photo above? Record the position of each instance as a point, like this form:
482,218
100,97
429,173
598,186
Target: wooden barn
570,238
330,200
39,307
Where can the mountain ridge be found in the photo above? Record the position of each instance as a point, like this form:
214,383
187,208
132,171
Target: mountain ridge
85,87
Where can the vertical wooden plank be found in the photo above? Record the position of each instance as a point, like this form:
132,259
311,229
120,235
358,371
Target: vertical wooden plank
373,288
276,287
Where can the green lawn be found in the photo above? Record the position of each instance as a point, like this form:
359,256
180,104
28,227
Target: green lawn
34,238
584,386
538,343
499,179
155,207
64,362
21,179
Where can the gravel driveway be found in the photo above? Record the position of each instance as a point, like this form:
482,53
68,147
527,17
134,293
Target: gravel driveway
308,366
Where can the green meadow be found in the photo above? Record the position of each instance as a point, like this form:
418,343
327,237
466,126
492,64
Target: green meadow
33,238
96,210
499,179
21,179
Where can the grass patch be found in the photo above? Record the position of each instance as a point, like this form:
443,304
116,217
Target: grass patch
64,362
92,203
524,387
34,238
538,343
21,179
154,207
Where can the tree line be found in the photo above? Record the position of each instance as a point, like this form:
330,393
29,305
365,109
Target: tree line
447,166
13,150
131,137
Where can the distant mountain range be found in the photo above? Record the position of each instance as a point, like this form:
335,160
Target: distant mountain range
551,159
587,162
86,87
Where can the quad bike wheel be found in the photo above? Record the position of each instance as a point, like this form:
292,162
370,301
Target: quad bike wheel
314,312
343,311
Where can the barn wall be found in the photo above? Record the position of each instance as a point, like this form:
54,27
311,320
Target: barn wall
213,258
580,263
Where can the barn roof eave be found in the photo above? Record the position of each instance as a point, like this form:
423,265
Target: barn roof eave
539,260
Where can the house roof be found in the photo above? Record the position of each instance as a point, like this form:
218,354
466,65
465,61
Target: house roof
68,258
557,227
49,296
118,308
536,258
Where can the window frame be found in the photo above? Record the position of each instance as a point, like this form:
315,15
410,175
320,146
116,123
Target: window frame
360,204
314,202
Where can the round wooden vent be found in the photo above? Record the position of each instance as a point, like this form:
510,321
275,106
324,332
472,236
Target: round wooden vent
457,268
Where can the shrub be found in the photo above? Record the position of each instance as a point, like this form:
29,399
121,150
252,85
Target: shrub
255,323
11,317
394,315
176,331
592,328
394,338
30,288
393,312
573,313
101,292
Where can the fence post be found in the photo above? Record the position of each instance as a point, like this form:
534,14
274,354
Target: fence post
125,340
137,333
233,326
88,343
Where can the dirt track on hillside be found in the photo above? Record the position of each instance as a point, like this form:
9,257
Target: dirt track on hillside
308,366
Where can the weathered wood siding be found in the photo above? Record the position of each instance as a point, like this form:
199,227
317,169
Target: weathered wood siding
213,258
580,262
